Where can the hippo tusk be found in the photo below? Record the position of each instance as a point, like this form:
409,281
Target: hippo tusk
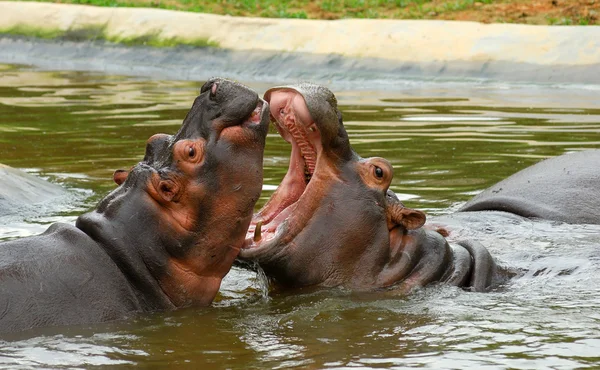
257,231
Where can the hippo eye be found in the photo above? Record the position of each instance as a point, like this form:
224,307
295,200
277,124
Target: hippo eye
281,112
191,151
378,172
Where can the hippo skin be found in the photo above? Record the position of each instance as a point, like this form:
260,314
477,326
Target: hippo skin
564,188
333,222
163,239
20,191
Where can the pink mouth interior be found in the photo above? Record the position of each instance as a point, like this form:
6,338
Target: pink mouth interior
255,116
295,125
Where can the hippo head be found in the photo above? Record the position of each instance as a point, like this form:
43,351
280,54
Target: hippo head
332,221
179,217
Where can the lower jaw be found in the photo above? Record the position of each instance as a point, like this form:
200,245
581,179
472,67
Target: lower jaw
251,249
271,229
255,240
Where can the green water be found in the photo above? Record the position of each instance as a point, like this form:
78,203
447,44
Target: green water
446,142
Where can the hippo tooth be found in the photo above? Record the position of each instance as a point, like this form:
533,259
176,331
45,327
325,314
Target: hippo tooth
257,231
306,149
307,174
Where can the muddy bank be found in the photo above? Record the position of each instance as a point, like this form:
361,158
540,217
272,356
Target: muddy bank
283,49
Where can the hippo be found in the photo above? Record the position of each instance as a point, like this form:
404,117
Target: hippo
333,222
163,239
564,188
21,191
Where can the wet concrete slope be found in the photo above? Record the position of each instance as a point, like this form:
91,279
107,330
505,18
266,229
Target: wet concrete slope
293,48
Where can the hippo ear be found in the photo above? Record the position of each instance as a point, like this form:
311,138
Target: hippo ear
408,218
120,176
413,219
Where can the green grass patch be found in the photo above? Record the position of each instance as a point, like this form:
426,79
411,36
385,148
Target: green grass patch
304,9
569,21
581,12
156,41
33,32
99,34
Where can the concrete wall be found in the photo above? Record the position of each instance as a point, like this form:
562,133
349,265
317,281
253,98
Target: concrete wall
438,48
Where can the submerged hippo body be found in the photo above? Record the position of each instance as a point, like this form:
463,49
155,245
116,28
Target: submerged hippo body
163,239
20,191
564,188
333,221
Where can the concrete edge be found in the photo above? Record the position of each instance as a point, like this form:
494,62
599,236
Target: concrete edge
406,41
198,64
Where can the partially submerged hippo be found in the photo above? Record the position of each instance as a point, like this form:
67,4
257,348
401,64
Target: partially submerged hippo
333,221
20,191
163,239
564,188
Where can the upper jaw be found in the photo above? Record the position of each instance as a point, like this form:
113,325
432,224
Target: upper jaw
258,116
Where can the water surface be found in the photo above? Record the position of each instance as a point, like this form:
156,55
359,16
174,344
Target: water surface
446,141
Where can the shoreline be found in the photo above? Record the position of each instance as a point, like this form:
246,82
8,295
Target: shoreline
384,48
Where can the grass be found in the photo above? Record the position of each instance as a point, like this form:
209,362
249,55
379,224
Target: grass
99,34
551,12
33,32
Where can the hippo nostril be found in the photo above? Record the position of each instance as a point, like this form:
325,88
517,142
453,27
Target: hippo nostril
168,190
213,90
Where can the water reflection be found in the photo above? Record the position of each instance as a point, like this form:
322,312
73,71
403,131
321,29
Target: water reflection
61,351
446,144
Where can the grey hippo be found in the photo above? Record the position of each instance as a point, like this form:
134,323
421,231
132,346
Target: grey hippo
163,239
333,222
564,188
21,192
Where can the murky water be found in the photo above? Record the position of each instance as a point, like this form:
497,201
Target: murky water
446,142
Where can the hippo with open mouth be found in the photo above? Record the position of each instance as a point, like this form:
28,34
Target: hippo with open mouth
163,239
334,222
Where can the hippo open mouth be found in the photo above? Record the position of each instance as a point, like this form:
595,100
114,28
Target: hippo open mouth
295,124
333,221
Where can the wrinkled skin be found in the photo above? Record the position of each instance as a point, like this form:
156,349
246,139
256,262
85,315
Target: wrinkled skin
163,239
334,222
565,188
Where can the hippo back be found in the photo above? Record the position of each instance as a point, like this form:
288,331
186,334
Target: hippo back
19,190
564,188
